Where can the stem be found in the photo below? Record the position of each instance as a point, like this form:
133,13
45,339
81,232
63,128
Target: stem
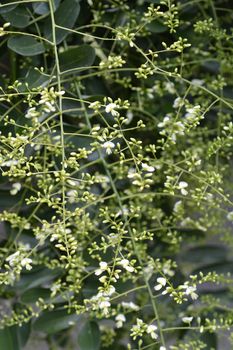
51,6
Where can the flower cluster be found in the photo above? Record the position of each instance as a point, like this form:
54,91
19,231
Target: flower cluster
112,62
141,327
2,29
116,167
48,100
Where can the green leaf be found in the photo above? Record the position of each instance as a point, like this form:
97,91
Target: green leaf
25,45
157,27
34,278
210,340
32,295
43,8
212,66
18,18
72,108
6,7
14,338
220,268
6,200
89,336
33,79
205,254
8,339
23,333
80,56
65,16
55,321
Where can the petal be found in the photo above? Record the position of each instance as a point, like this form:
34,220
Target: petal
162,280
158,287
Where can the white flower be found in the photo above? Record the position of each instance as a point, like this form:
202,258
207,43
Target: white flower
137,327
95,105
125,264
165,122
167,290
192,112
150,93
103,267
13,258
60,93
197,82
112,62
170,87
55,288
162,348
148,168
49,107
182,186
111,108
178,102
130,305
26,262
109,145
132,173
2,29
48,99
120,319
187,319
104,304
10,162
111,290
72,182
177,206
31,113
16,187
179,128
151,330
190,290
161,283
102,179
167,269
124,211
72,195
95,128
103,279
129,116
230,216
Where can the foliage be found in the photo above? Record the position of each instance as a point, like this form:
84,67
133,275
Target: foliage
116,159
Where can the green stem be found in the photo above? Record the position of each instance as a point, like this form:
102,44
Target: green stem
51,6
